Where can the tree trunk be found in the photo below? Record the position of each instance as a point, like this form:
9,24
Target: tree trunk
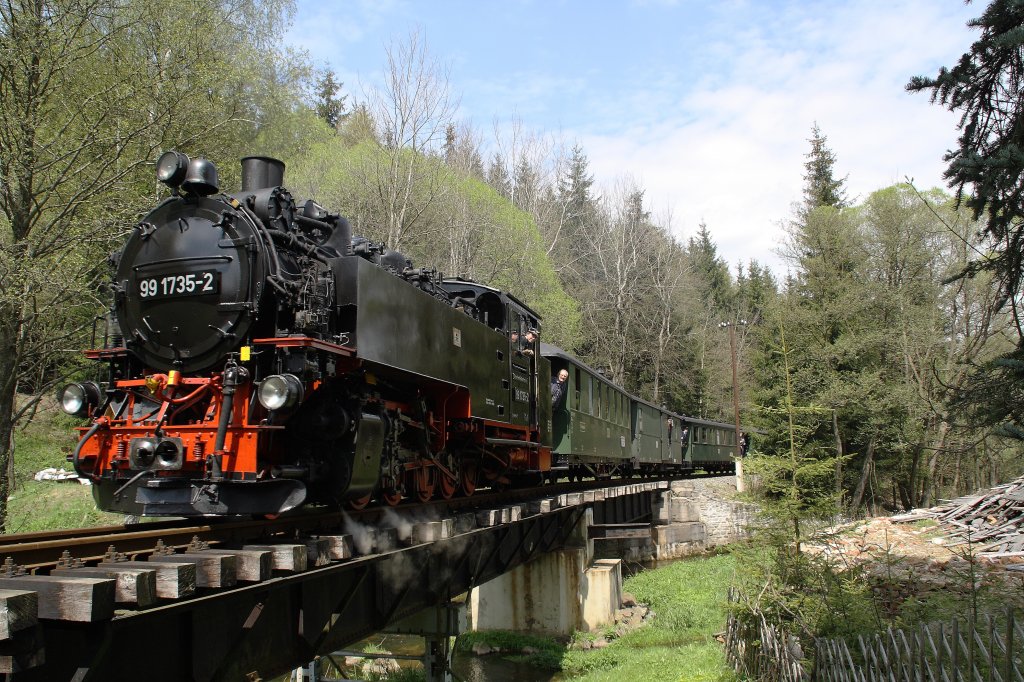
931,487
906,495
956,473
908,490
993,465
8,382
865,474
839,463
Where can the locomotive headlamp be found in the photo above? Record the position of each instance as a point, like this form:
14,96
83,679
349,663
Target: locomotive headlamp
280,392
79,399
171,168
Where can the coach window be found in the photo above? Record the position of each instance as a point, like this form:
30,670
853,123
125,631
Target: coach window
590,395
576,402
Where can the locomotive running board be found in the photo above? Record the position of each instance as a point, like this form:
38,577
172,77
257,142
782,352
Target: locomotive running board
204,498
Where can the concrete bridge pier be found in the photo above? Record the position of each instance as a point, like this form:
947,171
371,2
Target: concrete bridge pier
436,625
558,593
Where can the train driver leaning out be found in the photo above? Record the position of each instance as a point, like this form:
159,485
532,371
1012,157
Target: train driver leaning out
529,341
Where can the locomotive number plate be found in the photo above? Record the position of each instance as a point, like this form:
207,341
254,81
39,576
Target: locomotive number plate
184,284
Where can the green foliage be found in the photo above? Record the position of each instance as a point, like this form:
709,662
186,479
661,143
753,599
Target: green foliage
328,106
465,228
796,471
688,600
870,313
804,593
995,394
712,273
986,171
821,187
402,675
45,442
46,505
142,77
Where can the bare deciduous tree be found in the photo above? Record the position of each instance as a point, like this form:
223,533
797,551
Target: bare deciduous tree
412,110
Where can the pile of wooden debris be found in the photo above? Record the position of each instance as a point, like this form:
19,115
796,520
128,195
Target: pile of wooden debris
992,521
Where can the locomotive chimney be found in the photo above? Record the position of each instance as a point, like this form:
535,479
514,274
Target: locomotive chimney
261,172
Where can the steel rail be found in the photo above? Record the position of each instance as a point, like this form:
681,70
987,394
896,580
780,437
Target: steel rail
43,550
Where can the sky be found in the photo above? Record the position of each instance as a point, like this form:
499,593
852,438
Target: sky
706,105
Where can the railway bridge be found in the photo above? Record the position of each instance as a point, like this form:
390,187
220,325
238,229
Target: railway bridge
261,606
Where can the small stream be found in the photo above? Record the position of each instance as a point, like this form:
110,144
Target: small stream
493,667
466,665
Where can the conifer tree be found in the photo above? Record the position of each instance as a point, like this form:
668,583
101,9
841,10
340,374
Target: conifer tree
524,184
711,270
986,171
821,187
327,104
497,176
573,236
574,191
823,306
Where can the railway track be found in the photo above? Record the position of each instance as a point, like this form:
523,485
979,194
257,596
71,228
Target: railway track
36,552
61,590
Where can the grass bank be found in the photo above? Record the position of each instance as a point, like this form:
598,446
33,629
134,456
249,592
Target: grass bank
689,602
47,505
678,644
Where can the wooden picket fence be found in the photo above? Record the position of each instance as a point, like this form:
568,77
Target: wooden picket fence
989,649
759,650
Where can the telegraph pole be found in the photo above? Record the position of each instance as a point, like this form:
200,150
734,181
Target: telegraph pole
740,487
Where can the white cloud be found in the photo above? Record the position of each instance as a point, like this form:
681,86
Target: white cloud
731,151
708,106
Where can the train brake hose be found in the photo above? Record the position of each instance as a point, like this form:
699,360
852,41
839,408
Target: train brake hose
78,450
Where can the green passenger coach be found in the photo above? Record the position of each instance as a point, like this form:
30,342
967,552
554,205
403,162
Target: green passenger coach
600,429
592,424
710,445
656,438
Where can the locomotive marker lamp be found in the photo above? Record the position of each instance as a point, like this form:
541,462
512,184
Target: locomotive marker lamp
171,168
79,399
201,178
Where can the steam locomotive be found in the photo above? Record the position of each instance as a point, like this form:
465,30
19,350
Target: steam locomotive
259,356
